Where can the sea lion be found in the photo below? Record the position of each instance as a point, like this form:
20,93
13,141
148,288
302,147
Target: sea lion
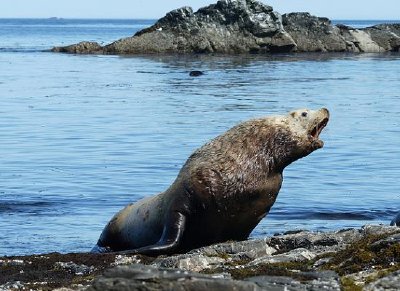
222,191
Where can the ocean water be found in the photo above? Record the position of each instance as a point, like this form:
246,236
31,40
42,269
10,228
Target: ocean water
82,136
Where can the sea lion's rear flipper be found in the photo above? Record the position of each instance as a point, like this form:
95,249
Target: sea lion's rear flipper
170,239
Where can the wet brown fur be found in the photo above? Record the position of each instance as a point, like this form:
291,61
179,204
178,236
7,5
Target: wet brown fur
225,187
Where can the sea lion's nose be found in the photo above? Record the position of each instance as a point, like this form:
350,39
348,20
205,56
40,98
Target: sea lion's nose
325,110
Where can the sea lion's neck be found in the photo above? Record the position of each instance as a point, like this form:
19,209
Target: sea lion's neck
281,150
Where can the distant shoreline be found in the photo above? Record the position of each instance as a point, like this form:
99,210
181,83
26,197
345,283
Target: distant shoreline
155,19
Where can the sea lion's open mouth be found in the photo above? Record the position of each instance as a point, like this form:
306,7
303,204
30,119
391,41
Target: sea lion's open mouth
316,131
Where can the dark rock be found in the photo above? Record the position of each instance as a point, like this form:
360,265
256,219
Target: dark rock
396,220
141,277
387,36
325,280
196,73
225,27
313,34
84,47
228,26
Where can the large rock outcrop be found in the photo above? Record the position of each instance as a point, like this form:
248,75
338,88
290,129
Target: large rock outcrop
245,26
317,34
229,26
313,34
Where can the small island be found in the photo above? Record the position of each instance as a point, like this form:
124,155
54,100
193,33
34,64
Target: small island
245,26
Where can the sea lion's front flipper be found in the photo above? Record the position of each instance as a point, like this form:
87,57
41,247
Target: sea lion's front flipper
170,239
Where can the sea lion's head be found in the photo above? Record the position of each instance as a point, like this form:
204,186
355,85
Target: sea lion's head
298,134
307,125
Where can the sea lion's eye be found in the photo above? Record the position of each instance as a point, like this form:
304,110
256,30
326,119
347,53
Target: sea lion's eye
304,114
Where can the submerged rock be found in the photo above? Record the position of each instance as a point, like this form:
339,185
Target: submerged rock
245,26
196,73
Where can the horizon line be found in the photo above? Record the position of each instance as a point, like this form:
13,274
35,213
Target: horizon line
143,18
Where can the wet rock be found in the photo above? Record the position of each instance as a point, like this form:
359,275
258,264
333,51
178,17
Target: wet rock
196,73
75,268
84,47
225,27
396,220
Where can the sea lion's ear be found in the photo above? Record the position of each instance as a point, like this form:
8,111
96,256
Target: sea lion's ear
293,114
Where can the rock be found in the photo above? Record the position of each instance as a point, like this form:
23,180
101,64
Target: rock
252,249
196,73
245,26
302,260
229,26
359,41
84,47
195,263
390,282
75,268
396,220
317,34
313,34
386,36
141,277
296,255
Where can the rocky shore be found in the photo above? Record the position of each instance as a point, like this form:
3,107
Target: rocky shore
349,259
245,26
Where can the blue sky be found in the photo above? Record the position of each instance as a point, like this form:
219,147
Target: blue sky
338,9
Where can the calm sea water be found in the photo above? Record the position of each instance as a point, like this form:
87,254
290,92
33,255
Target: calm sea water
82,136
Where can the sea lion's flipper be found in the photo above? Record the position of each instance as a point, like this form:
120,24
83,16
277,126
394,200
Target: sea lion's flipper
170,239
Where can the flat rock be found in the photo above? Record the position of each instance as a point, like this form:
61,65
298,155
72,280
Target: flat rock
80,48
141,277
